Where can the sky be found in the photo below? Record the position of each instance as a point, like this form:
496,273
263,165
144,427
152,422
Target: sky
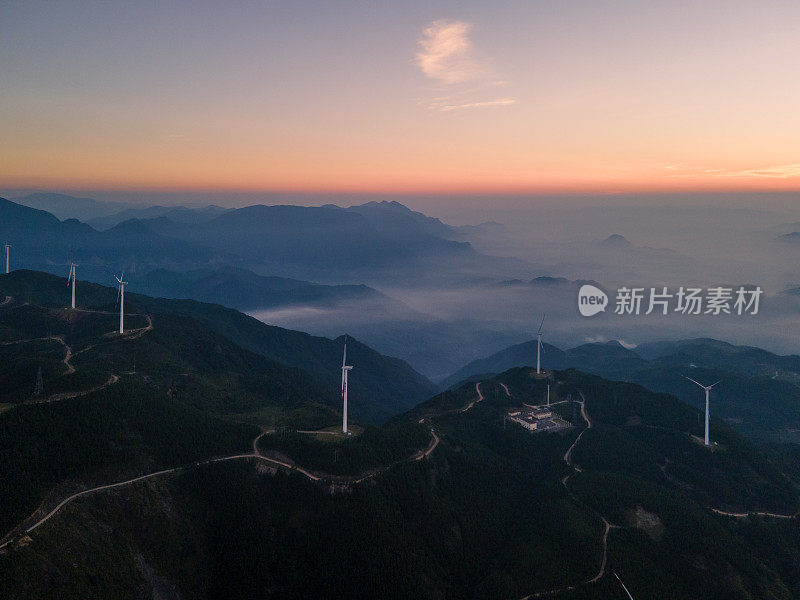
408,97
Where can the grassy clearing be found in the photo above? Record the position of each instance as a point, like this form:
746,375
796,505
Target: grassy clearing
334,433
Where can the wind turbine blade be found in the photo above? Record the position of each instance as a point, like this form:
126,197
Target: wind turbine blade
713,384
542,323
697,382
623,586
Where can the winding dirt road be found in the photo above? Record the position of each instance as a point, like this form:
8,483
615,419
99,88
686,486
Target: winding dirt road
68,356
431,447
744,515
17,532
67,353
478,399
112,379
607,526
134,334
11,538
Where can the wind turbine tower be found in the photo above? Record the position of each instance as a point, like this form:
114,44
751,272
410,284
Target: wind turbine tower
71,278
8,258
345,369
707,388
548,394
121,298
539,347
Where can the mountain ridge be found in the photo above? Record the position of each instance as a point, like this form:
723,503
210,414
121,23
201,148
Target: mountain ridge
384,385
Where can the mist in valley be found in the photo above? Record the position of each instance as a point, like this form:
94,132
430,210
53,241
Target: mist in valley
447,322
440,281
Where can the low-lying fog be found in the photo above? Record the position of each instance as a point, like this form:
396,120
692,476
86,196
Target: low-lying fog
654,244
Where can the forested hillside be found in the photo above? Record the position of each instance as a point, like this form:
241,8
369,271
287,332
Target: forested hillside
381,387
489,510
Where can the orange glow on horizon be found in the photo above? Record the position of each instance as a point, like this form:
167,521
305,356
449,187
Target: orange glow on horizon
85,188
638,98
556,185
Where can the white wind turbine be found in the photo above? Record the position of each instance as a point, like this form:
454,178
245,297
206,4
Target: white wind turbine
345,369
71,278
539,347
707,388
8,258
121,298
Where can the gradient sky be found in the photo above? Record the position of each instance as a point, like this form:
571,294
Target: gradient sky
402,97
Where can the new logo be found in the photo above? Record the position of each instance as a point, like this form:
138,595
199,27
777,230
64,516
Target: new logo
591,300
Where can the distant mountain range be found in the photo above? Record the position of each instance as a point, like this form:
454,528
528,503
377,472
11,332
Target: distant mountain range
373,242
39,240
616,243
759,393
609,358
397,220
178,214
265,258
615,240
64,207
546,282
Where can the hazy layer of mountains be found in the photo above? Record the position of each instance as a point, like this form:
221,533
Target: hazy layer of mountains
379,241
403,282
251,259
386,216
66,207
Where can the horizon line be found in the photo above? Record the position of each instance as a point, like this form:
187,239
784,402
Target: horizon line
410,192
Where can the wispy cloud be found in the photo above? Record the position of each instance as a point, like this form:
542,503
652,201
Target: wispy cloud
447,53
775,172
771,172
481,104
601,339
448,56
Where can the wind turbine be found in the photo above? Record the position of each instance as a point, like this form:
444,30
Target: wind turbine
345,369
121,298
539,347
8,258
707,388
71,277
